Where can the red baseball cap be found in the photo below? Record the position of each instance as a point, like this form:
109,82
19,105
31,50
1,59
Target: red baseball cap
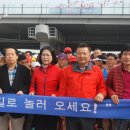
71,59
67,50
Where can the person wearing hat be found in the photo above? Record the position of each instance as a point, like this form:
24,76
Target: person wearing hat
100,61
62,63
62,60
71,59
68,52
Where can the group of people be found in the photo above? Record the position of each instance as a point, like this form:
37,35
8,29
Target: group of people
95,76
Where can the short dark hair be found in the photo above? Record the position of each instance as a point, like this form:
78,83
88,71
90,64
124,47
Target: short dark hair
82,45
112,55
125,48
54,59
16,51
28,52
21,57
97,49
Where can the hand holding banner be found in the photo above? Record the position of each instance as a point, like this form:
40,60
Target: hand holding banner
64,106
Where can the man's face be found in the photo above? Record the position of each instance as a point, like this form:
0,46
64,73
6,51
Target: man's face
83,56
68,54
10,56
27,54
111,61
96,53
62,62
98,63
125,58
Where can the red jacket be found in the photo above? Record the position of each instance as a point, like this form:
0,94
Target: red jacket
87,84
45,83
115,81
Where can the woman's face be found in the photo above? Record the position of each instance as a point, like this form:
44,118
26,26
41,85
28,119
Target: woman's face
46,57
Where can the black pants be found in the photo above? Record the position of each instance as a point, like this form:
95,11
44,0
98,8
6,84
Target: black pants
28,122
121,124
76,123
45,122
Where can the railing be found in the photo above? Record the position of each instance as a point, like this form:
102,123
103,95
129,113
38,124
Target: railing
40,9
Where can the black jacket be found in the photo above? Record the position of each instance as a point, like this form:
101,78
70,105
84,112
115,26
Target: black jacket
21,82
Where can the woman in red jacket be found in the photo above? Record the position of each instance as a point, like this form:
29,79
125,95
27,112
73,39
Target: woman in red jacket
45,82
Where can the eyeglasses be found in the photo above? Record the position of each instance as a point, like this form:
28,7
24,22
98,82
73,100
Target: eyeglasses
46,55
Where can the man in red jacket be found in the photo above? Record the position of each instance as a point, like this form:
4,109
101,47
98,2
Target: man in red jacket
118,85
82,80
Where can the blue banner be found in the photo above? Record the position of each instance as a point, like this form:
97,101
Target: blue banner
64,106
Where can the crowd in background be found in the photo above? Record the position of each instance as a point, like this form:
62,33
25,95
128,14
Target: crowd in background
51,74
